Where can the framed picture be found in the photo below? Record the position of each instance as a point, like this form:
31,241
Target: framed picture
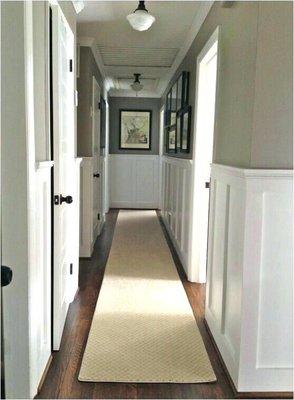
185,91
135,129
179,92
102,122
172,140
173,104
179,131
186,128
167,109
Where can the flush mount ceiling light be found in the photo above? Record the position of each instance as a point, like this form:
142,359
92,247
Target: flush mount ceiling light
137,86
140,19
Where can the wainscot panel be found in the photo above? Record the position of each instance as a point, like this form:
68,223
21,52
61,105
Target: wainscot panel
249,307
176,203
134,181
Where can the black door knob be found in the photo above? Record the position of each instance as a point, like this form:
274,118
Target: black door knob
96,175
66,199
6,275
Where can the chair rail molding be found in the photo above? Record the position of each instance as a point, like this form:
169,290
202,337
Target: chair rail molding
134,181
249,306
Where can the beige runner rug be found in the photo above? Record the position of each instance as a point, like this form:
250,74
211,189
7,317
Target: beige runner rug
143,329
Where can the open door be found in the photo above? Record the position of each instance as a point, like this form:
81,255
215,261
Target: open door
97,176
63,155
206,82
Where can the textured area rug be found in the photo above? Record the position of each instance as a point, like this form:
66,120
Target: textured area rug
143,328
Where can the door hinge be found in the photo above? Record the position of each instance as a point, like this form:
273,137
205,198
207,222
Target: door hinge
70,268
99,105
56,200
98,216
70,65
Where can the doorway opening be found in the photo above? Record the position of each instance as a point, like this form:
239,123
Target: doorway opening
206,88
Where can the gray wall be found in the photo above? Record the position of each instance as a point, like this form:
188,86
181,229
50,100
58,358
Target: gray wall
252,35
272,134
133,103
88,69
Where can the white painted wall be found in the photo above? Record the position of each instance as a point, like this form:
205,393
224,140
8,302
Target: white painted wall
134,181
249,305
176,204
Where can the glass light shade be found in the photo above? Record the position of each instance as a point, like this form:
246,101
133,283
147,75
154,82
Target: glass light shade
140,20
137,86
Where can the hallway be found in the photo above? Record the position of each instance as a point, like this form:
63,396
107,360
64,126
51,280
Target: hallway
62,378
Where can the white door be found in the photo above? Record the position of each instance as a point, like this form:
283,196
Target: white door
203,152
63,152
97,176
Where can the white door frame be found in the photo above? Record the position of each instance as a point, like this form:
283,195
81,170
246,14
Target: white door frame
196,272
98,168
161,144
63,274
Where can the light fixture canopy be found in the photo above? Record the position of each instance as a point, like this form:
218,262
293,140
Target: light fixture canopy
136,85
140,19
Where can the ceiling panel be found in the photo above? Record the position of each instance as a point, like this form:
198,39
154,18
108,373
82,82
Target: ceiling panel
137,56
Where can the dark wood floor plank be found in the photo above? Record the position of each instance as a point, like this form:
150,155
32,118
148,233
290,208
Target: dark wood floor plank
62,377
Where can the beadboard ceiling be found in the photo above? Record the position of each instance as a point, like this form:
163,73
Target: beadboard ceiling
120,51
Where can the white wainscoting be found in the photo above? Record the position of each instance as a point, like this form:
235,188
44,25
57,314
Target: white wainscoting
134,181
249,307
176,203
42,274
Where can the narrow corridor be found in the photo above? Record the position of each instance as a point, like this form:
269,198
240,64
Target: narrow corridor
62,378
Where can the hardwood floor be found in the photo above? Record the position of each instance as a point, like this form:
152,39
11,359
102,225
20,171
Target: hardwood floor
62,377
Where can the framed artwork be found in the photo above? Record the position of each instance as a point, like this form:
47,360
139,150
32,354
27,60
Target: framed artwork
179,92
173,104
185,91
172,140
166,138
179,131
186,128
135,129
102,122
167,109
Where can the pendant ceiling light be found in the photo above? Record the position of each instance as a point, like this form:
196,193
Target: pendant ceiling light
137,86
140,19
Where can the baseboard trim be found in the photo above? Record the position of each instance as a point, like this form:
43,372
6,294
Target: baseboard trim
245,395
44,374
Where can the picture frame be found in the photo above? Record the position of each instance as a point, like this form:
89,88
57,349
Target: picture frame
167,109
172,139
173,104
185,89
102,122
135,129
186,129
179,131
179,92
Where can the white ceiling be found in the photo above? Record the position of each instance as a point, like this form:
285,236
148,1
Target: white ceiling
122,51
